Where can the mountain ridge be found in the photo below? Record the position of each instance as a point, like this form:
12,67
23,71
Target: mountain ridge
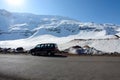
27,30
27,25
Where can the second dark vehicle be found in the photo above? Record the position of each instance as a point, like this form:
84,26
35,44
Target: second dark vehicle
45,49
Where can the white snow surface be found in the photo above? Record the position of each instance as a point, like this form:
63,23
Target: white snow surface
27,30
105,45
24,25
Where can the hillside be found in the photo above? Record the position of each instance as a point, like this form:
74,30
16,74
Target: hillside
24,25
27,30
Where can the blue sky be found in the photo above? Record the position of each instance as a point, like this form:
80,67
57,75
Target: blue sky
99,11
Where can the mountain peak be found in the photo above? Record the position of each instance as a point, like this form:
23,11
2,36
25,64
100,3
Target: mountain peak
4,12
24,25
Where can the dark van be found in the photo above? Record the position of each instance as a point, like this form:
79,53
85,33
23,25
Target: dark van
45,49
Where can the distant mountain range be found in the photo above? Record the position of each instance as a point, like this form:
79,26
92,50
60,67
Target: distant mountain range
26,25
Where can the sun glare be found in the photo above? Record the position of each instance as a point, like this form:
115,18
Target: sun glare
15,3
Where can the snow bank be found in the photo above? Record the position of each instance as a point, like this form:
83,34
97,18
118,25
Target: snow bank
105,45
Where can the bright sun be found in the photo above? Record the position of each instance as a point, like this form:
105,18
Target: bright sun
15,3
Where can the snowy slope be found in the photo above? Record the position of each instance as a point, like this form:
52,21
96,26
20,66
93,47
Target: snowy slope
106,45
26,30
24,25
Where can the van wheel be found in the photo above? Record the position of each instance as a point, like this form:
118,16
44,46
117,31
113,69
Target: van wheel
52,54
33,53
49,53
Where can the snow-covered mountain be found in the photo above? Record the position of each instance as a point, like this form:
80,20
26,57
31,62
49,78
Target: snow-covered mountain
24,25
26,30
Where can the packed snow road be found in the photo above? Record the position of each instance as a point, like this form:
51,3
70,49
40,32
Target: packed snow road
27,67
